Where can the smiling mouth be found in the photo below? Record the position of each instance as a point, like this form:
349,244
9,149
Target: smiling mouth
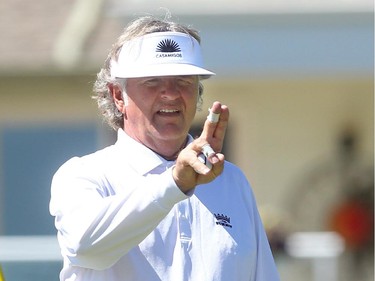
168,111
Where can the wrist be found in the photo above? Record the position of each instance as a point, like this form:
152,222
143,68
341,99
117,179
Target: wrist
183,185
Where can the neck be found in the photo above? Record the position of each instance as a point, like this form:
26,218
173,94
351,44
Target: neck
169,150
166,148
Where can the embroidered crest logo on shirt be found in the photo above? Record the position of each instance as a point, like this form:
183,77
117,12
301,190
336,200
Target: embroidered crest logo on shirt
223,220
168,48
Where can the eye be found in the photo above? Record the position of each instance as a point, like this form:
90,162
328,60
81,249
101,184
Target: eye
151,82
185,80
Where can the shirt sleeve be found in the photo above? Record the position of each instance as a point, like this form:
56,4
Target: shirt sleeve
96,229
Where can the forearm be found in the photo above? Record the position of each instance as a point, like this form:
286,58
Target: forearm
96,232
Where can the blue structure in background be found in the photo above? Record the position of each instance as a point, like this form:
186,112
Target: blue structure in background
301,45
31,155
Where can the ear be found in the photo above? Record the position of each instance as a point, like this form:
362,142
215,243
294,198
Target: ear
117,97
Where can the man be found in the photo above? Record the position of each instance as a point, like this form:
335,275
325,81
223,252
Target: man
152,206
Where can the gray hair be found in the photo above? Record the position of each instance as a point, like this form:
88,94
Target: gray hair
137,28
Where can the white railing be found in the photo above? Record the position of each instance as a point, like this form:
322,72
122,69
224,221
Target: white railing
29,248
322,248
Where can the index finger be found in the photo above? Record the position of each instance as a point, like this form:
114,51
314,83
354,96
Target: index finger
214,132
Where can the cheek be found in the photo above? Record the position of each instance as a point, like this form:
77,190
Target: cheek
191,110
139,105
134,113
192,101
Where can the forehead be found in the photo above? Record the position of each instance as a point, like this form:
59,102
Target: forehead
162,78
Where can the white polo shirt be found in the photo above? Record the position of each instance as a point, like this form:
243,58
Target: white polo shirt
120,216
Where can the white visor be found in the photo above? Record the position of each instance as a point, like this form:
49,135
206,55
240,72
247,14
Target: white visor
160,54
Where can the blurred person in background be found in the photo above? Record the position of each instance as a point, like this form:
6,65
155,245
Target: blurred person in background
158,204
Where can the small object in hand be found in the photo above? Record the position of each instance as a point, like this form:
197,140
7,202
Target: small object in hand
205,160
207,150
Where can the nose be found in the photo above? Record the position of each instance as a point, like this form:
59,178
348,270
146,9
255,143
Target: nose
170,89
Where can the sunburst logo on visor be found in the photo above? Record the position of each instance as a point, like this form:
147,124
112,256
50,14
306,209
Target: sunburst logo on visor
168,46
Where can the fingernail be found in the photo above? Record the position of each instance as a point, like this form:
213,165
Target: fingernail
214,159
205,170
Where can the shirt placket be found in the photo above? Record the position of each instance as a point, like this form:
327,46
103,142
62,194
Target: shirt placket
183,217
184,224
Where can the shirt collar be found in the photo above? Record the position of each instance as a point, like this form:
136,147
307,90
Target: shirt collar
143,159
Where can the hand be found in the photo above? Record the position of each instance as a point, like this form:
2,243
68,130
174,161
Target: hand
189,171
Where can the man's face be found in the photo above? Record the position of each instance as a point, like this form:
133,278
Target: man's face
160,108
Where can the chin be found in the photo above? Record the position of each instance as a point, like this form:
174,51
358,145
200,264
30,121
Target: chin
172,134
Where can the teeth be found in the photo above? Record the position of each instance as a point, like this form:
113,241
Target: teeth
168,110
